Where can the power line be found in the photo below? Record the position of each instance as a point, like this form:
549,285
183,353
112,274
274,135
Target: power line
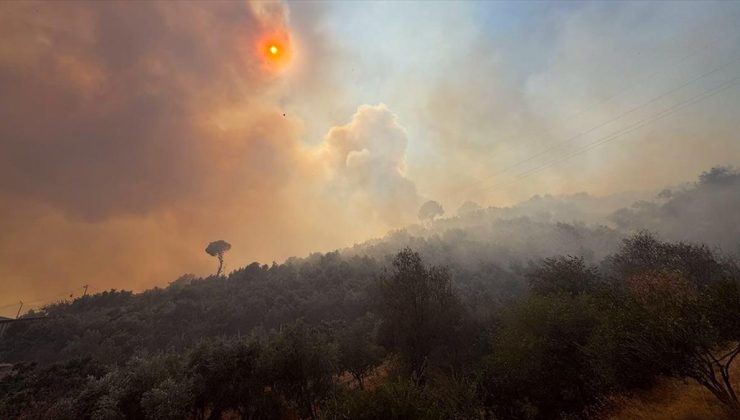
50,299
9,305
603,123
640,124
629,87
663,114
669,111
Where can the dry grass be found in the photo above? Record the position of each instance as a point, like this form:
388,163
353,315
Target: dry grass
673,400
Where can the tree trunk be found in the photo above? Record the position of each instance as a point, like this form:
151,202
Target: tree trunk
721,386
220,264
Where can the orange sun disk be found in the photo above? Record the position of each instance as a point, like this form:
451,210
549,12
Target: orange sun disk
275,51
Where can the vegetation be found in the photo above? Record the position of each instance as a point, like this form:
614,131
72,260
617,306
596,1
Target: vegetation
352,337
430,210
217,249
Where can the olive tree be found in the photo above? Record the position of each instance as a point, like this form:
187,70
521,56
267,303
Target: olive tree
420,311
688,299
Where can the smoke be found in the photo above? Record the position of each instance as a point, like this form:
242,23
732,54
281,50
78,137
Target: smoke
133,136
367,162
706,211
532,85
114,110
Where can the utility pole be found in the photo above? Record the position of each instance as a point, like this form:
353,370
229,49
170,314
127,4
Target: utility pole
4,326
85,293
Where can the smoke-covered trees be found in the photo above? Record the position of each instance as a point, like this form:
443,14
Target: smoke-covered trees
217,249
569,275
468,207
302,364
688,303
420,311
359,352
705,211
658,309
283,340
430,210
228,375
540,364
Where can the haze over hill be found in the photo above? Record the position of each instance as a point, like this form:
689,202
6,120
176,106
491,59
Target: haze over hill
369,210
594,297
581,224
133,136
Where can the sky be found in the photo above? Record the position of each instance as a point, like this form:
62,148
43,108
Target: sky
132,134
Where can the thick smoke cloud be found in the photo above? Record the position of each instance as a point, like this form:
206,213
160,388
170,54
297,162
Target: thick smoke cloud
367,162
133,135
511,100
108,111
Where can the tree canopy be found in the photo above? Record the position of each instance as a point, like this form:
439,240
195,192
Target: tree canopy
342,336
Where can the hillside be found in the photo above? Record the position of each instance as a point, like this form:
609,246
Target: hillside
469,316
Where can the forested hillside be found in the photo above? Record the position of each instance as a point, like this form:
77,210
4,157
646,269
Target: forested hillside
475,316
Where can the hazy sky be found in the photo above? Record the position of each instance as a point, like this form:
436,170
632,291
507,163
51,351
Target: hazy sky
132,134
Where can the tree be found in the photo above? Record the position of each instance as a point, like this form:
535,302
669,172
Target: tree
468,207
420,311
49,392
643,253
682,335
688,303
227,375
126,385
170,400
569,275
217,249
358,353
300,365
430,210
539,366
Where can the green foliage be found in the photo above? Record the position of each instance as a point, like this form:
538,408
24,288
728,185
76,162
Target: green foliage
689,304
421,313
32,392
440,398
643,253
568,275
169,400
301,364
669,309
226,375
273,342
112,326
539,365
358,352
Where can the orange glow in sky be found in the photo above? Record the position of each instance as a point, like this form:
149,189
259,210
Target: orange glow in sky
274,50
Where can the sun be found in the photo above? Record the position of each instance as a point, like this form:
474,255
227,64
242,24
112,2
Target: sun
275,51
